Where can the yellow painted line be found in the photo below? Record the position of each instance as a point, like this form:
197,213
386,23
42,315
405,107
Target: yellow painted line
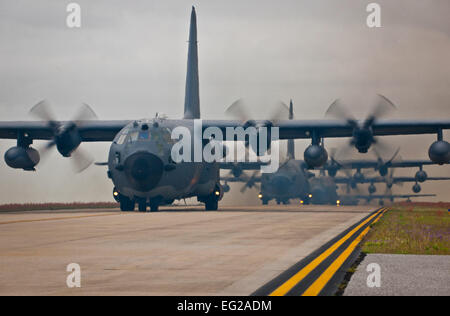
320,283
295,279
53,219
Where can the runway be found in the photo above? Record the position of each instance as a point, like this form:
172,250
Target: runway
177,251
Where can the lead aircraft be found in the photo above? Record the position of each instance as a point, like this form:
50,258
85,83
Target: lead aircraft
140,163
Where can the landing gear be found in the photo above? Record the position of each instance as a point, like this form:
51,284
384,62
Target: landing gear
212,200
126,205
211,204
265,201
142,205
154,204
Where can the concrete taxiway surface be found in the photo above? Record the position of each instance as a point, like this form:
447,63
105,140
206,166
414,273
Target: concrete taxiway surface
402,275
178,251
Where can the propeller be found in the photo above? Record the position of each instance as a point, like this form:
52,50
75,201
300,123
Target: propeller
383,166
363,138
250,182
66,135
389,179
351,183
239,111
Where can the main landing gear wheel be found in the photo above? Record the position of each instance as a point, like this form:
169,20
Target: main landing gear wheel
126,205
154,205
142,206
265,202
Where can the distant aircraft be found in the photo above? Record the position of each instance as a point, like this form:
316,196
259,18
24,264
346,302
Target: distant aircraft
290,181
333,166
351,182
140,163
354,199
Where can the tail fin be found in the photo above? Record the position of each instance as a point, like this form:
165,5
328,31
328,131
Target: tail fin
291,145
192,98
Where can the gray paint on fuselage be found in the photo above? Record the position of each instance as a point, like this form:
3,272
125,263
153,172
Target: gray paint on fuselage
186,180
323,190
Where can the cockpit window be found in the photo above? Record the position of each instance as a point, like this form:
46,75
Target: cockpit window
144,135
134,136
122,139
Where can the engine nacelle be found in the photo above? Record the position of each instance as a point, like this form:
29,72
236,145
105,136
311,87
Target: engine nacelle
22,158
383,171
358,176
439,152
421,176
362,139
67,140
315,156
416,188
226,187
332,172
236,171
372,189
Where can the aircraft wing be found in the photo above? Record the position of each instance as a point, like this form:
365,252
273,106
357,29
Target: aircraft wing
100,130
345,180
90,131
331,129
367,164
390,196
412,179
234,179
241,165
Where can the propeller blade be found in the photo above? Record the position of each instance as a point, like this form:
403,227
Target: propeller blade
243,189
81,160
85,113
382,107
338,111
279,112
238,111
343,154
384,151
42,111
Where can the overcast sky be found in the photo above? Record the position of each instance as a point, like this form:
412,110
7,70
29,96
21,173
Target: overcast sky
128,60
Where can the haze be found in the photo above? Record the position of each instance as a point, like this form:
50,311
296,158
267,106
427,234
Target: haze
128,61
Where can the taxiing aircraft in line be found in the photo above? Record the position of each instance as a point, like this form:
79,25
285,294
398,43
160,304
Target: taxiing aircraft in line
140,162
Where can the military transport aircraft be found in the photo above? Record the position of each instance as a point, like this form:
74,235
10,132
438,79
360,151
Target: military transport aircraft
293,180
333,166
140,163
290,181
387,180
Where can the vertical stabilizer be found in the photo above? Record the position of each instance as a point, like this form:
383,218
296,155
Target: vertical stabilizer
291,146
192,98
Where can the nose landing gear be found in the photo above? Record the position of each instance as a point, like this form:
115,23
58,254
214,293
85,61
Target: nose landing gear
212,200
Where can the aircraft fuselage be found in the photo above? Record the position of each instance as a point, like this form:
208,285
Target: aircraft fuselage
141,167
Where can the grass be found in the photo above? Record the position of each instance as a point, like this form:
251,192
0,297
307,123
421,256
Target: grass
419,228
56,206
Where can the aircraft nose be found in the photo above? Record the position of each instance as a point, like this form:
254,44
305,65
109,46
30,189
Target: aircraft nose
144,170
319,195
281,184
